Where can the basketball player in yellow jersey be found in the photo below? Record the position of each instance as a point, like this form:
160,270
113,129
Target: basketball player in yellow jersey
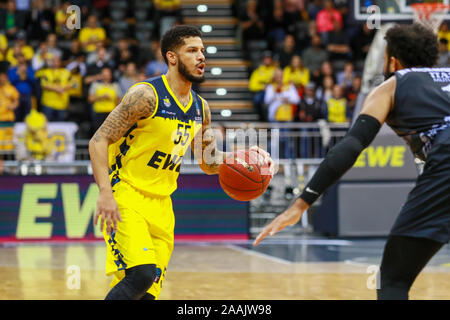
136,156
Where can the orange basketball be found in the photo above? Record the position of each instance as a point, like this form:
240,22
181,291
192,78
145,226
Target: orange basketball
241,176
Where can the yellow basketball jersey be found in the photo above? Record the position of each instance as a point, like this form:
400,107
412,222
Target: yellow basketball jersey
149,155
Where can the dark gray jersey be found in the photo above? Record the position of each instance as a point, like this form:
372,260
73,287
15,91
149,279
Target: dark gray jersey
421,107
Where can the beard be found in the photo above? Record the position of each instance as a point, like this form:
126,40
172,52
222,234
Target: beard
182,69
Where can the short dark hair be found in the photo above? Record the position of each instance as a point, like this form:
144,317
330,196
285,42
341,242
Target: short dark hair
414,45
174,38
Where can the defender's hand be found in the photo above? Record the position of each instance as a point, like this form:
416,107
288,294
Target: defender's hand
265,159
109,211
289,217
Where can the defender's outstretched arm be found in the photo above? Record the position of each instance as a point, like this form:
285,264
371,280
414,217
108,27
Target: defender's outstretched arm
341,158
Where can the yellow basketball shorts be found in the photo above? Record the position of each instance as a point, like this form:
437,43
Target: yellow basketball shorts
144,236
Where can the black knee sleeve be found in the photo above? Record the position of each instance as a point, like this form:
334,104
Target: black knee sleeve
135,284
148,296
141,277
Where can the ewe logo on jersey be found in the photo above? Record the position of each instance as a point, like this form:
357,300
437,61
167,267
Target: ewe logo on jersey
165,161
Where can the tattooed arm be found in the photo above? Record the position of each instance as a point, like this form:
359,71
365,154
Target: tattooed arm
209,157
139,102
204,146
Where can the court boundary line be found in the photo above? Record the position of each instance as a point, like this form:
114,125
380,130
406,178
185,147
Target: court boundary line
334,242
259,254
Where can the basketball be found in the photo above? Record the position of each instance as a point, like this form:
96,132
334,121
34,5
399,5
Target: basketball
241,176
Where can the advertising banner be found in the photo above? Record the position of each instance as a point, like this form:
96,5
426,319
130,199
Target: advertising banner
388,158
62,207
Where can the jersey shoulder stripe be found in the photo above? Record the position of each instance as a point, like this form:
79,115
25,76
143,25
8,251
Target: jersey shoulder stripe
203,105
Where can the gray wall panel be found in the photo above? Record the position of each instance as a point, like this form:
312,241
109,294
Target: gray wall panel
370,209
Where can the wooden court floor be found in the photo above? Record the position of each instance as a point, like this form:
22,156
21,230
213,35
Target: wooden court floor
198,272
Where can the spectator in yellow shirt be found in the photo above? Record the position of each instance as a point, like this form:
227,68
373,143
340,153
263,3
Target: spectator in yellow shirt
167,4
52,44
91,35
259,80
336,108
281,100
78,109
104,96
9,100
37,143
296,73
3,47
444,33
42,58
55,83
19,46
61,19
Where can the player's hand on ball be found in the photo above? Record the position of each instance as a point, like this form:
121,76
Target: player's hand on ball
289,217
265,159
109,211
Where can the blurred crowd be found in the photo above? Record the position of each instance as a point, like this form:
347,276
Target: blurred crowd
69,65
307,58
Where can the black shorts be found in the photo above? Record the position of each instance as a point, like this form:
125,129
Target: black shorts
426,213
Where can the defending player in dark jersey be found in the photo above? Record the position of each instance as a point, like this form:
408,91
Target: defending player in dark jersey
415,103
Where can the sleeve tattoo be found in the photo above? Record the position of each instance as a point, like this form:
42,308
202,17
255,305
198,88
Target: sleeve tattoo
208,156
138,103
